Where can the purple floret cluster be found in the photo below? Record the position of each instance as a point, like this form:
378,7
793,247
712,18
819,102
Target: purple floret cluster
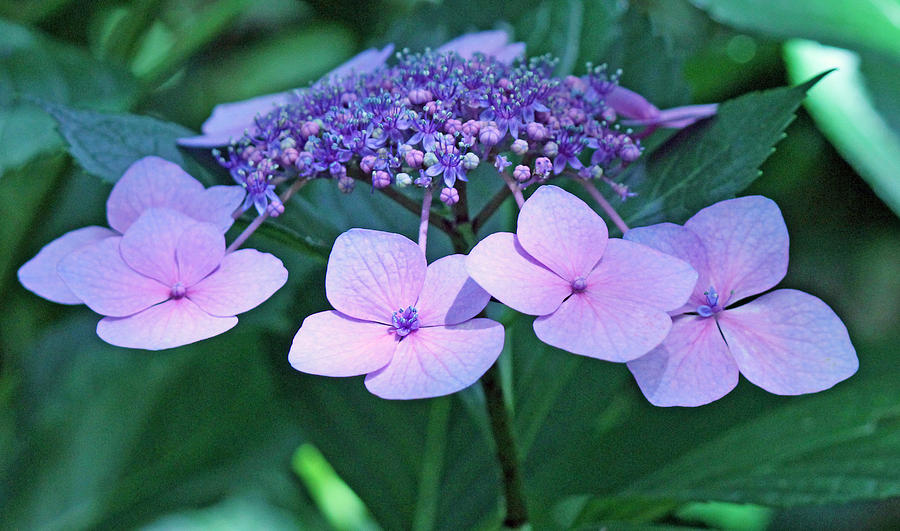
435,116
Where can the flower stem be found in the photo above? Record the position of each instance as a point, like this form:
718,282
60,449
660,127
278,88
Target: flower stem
514,188
426,214
251,228
507,453
604,204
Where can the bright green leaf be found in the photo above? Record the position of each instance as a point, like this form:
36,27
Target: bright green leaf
844,111
870,24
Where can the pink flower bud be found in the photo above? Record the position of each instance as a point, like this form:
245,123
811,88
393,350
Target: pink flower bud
489,136
346,184
419,96
542,166
449,196
414,158
519,147
289,157
452,126
471,127
536,131
309,129
381,179
367,163
522,173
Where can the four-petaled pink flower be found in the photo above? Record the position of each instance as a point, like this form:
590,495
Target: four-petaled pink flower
151,182
787,342
598,297
167,281
409,326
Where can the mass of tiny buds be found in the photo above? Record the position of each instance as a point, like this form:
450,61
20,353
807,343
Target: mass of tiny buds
429,120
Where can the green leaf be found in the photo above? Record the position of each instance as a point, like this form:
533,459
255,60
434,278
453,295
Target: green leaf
105,144
870,24
861,119
36,66
713,160
110,437
835,447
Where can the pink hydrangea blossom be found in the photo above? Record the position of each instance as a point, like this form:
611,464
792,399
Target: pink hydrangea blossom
408,326
149,182
787,342
167,281
598,297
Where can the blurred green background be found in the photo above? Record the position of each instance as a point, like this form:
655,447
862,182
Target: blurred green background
225,435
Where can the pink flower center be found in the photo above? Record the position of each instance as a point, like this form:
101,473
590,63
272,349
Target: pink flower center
405,321
178,290
579,285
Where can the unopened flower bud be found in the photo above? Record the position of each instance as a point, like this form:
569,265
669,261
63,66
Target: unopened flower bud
471,128
449,196
367,163
551,149
419,96
381,179
415,158
275,208
288,143
430,159
309,129
522,173
630,152
536,131
402,180
489,136
346,184
336,169
403,149
289,157
542,166
596,172
452,126
519,147
470,161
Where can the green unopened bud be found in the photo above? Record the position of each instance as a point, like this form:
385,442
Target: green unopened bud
402,180
430,159
470,161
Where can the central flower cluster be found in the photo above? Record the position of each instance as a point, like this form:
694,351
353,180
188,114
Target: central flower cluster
405,321
436,114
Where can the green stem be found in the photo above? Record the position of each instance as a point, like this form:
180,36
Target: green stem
507,453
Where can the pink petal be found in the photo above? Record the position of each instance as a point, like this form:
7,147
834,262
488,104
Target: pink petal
510,52
631,104
372,274
333,344
200,250
449,296
602,327
173,323
746,242
149,245
39,274
216,205
485,42
561,232
228,121
681,243
99,276
244,280
502,268
150,182
678,117
439,360
363,62
690,368
789,343
633,272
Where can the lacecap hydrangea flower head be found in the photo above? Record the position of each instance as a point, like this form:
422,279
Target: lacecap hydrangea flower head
787,342
410,327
